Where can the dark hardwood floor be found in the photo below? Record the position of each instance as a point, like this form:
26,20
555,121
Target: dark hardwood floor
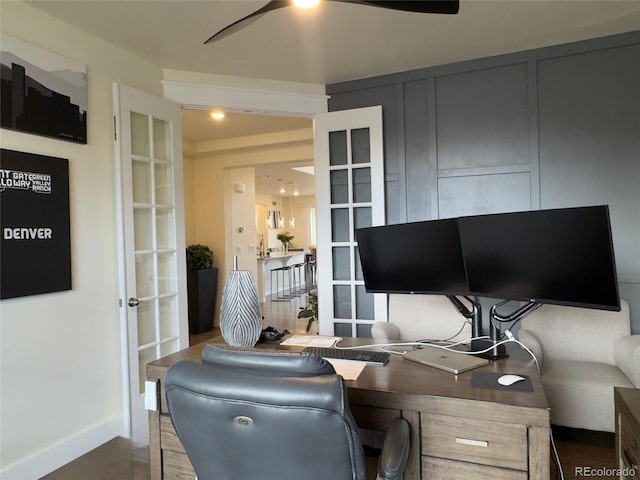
118,459
583,449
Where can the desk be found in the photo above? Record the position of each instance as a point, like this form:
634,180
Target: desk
627,411
457,432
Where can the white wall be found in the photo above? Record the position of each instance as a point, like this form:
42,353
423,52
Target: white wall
240,224
60,380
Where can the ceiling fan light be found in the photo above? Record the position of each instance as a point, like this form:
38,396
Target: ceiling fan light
306,3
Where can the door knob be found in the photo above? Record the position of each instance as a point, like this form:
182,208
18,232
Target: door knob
133,302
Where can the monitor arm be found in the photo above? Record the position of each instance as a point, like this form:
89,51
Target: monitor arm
486,346
499,351
474,314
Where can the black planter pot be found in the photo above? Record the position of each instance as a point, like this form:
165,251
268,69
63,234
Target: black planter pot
202,289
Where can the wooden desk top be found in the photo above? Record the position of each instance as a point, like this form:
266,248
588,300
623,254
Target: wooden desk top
406,381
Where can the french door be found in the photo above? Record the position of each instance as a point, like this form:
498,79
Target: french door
148,146
349,163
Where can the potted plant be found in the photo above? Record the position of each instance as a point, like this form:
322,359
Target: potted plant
310,311
202,288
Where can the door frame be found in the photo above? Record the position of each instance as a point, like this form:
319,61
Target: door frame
204,97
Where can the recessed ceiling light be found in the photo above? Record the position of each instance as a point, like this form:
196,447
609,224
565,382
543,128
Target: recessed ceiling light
217,114
306,3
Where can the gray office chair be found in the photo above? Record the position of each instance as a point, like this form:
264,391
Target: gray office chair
249,414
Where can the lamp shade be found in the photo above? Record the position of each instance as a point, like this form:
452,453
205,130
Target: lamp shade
240,315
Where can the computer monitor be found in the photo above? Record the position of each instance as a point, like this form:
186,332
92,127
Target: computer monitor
559,256
417,257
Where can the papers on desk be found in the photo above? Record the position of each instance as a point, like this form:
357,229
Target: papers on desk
348,369
311,341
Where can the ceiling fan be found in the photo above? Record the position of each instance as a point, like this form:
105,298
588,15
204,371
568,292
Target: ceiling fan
420,6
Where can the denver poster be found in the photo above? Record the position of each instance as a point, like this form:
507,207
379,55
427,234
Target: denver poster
35,251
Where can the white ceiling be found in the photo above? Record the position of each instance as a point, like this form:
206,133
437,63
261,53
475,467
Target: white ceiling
334,43
338,41
271,178
198,126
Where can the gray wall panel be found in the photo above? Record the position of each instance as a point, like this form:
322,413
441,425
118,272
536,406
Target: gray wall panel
589,107
482,118
566,117
419,168
482,194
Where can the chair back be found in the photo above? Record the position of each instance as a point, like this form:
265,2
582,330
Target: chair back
246,414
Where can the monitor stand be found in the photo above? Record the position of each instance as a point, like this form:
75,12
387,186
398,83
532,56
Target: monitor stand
490,347
474,314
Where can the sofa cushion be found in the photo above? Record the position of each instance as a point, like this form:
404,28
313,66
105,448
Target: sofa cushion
581,393
586,335
427,317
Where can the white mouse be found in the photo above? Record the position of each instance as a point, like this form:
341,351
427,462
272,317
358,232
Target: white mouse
509,379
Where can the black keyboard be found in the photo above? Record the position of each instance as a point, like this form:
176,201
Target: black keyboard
373,357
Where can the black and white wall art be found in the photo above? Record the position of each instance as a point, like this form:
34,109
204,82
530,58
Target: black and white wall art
35,251
42,93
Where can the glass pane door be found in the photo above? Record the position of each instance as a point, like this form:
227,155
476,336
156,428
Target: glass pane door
152,246
154,239
350,195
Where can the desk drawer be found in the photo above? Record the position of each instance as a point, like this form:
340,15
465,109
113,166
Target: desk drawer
176,466
477,441
441,469
630,447
168,437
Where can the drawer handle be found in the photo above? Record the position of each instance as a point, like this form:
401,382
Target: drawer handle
473,443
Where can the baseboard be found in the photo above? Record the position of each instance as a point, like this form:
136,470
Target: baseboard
46,461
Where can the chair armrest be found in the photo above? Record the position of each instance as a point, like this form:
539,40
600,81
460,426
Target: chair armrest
395,450
529,339
627,354
385,331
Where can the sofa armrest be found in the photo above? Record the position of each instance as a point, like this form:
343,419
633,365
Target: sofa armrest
627,353
385,331
529,339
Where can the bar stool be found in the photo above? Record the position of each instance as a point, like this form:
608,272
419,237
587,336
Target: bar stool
297,271
310,273
281,274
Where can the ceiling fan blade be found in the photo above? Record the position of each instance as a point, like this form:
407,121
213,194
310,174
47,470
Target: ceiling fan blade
421,6
248,20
